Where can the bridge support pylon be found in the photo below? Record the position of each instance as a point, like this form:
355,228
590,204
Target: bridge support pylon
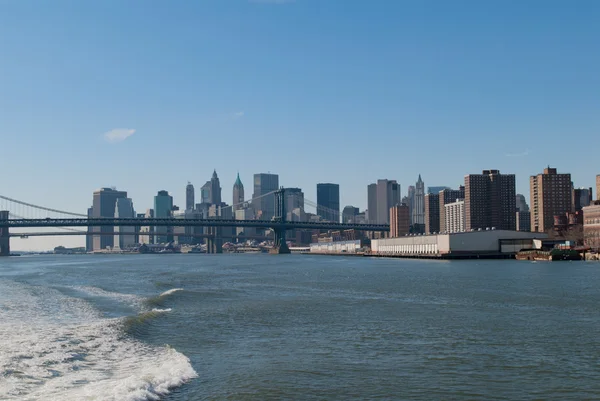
4,235
280,244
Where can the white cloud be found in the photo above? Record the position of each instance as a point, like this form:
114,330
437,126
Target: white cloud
118,135
237,115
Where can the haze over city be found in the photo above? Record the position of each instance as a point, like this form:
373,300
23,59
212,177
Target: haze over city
145,98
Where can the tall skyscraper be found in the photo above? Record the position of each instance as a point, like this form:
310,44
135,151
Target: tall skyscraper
550,196
399,221
206,193
418,209
349,214
436,190
264,206
381,197
189,197
432,213
448,196
328,201
521,203
238,193
163,207
215,189
582,197
103,205
294,200
410,201
490,200
124,235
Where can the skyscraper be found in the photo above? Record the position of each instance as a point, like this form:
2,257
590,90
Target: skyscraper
550,196
189,196
206,193
238,193
410,201
381,197
432,213
582,197
436,190
215,189
264,206
490,200
328,202
294,200
124,210
448,196
399,221
103,205
521,203
163,207
418,209
349,214
455,216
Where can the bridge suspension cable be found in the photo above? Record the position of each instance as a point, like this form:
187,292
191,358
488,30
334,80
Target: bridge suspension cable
47,209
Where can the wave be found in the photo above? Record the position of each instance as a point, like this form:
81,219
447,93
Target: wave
169,292
159,300
55,347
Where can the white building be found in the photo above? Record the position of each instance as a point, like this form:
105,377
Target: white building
455,216
124,210
490,243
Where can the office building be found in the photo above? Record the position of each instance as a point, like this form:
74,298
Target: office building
490,200
89,238
410,199
238,194
124,235
147,232
264,205
550,196
163,208
523,221
103,205
328,201
215,189
521,203
399,220
246,213
448,196
189,196
381,197
432,213
582,197
418,206
206,193
349,214
294,199
436,190
455,216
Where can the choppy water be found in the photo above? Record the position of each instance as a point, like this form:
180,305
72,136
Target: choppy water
262,327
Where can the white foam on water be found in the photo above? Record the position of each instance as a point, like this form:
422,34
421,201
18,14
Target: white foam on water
54,347
171,291
161,310
130,299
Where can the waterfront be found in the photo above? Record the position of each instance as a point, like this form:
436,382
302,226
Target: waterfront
260,327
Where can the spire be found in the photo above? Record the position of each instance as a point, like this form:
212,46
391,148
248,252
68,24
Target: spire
214,176
419,180
238,182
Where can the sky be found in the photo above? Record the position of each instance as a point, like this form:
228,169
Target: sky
145,95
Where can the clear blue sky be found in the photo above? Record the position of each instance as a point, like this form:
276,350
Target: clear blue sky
314,90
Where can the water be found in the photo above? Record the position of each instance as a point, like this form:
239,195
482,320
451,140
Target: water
263,327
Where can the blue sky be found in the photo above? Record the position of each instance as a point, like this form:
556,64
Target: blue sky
314,90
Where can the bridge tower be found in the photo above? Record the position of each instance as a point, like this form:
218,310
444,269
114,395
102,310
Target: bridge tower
4,236
280,245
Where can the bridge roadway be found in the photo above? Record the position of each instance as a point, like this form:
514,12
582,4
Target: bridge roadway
169,222
141,234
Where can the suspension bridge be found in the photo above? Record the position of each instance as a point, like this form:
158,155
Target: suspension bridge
16,214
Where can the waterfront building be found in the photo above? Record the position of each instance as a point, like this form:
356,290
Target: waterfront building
591,226
264,206
103,206
448,196
189,196
124,235
238,193
432,213
399,220
163,208
550,196
490,200
582,197
418,206
328,201
455,216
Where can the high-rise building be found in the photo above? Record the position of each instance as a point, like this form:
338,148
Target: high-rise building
523,221
399,220
124,235
215,189
381,197
490,200
598,187
448,196
432,213
591,226
436,190
582,197
146,232
550,196
189,196
238,194
455,216
294,199
328,202
264,206
103,205
163,208
206,193
521,203
410,201
89,238
349,214
418,206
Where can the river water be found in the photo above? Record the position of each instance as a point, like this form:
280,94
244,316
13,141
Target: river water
266,327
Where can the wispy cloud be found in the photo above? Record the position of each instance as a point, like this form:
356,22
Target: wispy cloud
272,1
118,135
522,154
237,115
